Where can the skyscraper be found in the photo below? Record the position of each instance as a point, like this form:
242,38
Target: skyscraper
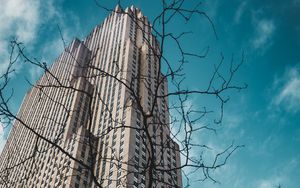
97,116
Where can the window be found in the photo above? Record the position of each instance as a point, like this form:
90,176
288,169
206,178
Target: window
136,175
85,184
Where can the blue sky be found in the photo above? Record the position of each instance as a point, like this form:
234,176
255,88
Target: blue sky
265,117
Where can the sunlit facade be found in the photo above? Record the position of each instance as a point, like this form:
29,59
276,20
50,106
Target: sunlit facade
89,111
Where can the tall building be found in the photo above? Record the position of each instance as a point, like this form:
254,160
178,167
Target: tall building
95,115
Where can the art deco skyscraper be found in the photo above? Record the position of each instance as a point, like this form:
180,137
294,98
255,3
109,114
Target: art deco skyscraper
97,110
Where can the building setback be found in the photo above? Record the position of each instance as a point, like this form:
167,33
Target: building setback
93,104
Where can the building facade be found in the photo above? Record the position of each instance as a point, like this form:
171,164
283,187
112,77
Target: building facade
98,117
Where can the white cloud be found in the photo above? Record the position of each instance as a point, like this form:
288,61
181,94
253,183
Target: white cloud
289,95
279,175
35,72
22,20
240,11
18,19
218,143
266,184
50,51
264,32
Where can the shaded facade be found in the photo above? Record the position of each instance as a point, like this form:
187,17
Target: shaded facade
92,104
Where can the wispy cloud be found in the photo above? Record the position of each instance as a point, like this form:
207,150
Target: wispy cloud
18,19
289,93
263,33
240,11
229,131
50,51
23,20
64,25
267,183
279,175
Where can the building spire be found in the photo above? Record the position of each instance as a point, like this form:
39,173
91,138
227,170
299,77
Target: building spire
118,7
